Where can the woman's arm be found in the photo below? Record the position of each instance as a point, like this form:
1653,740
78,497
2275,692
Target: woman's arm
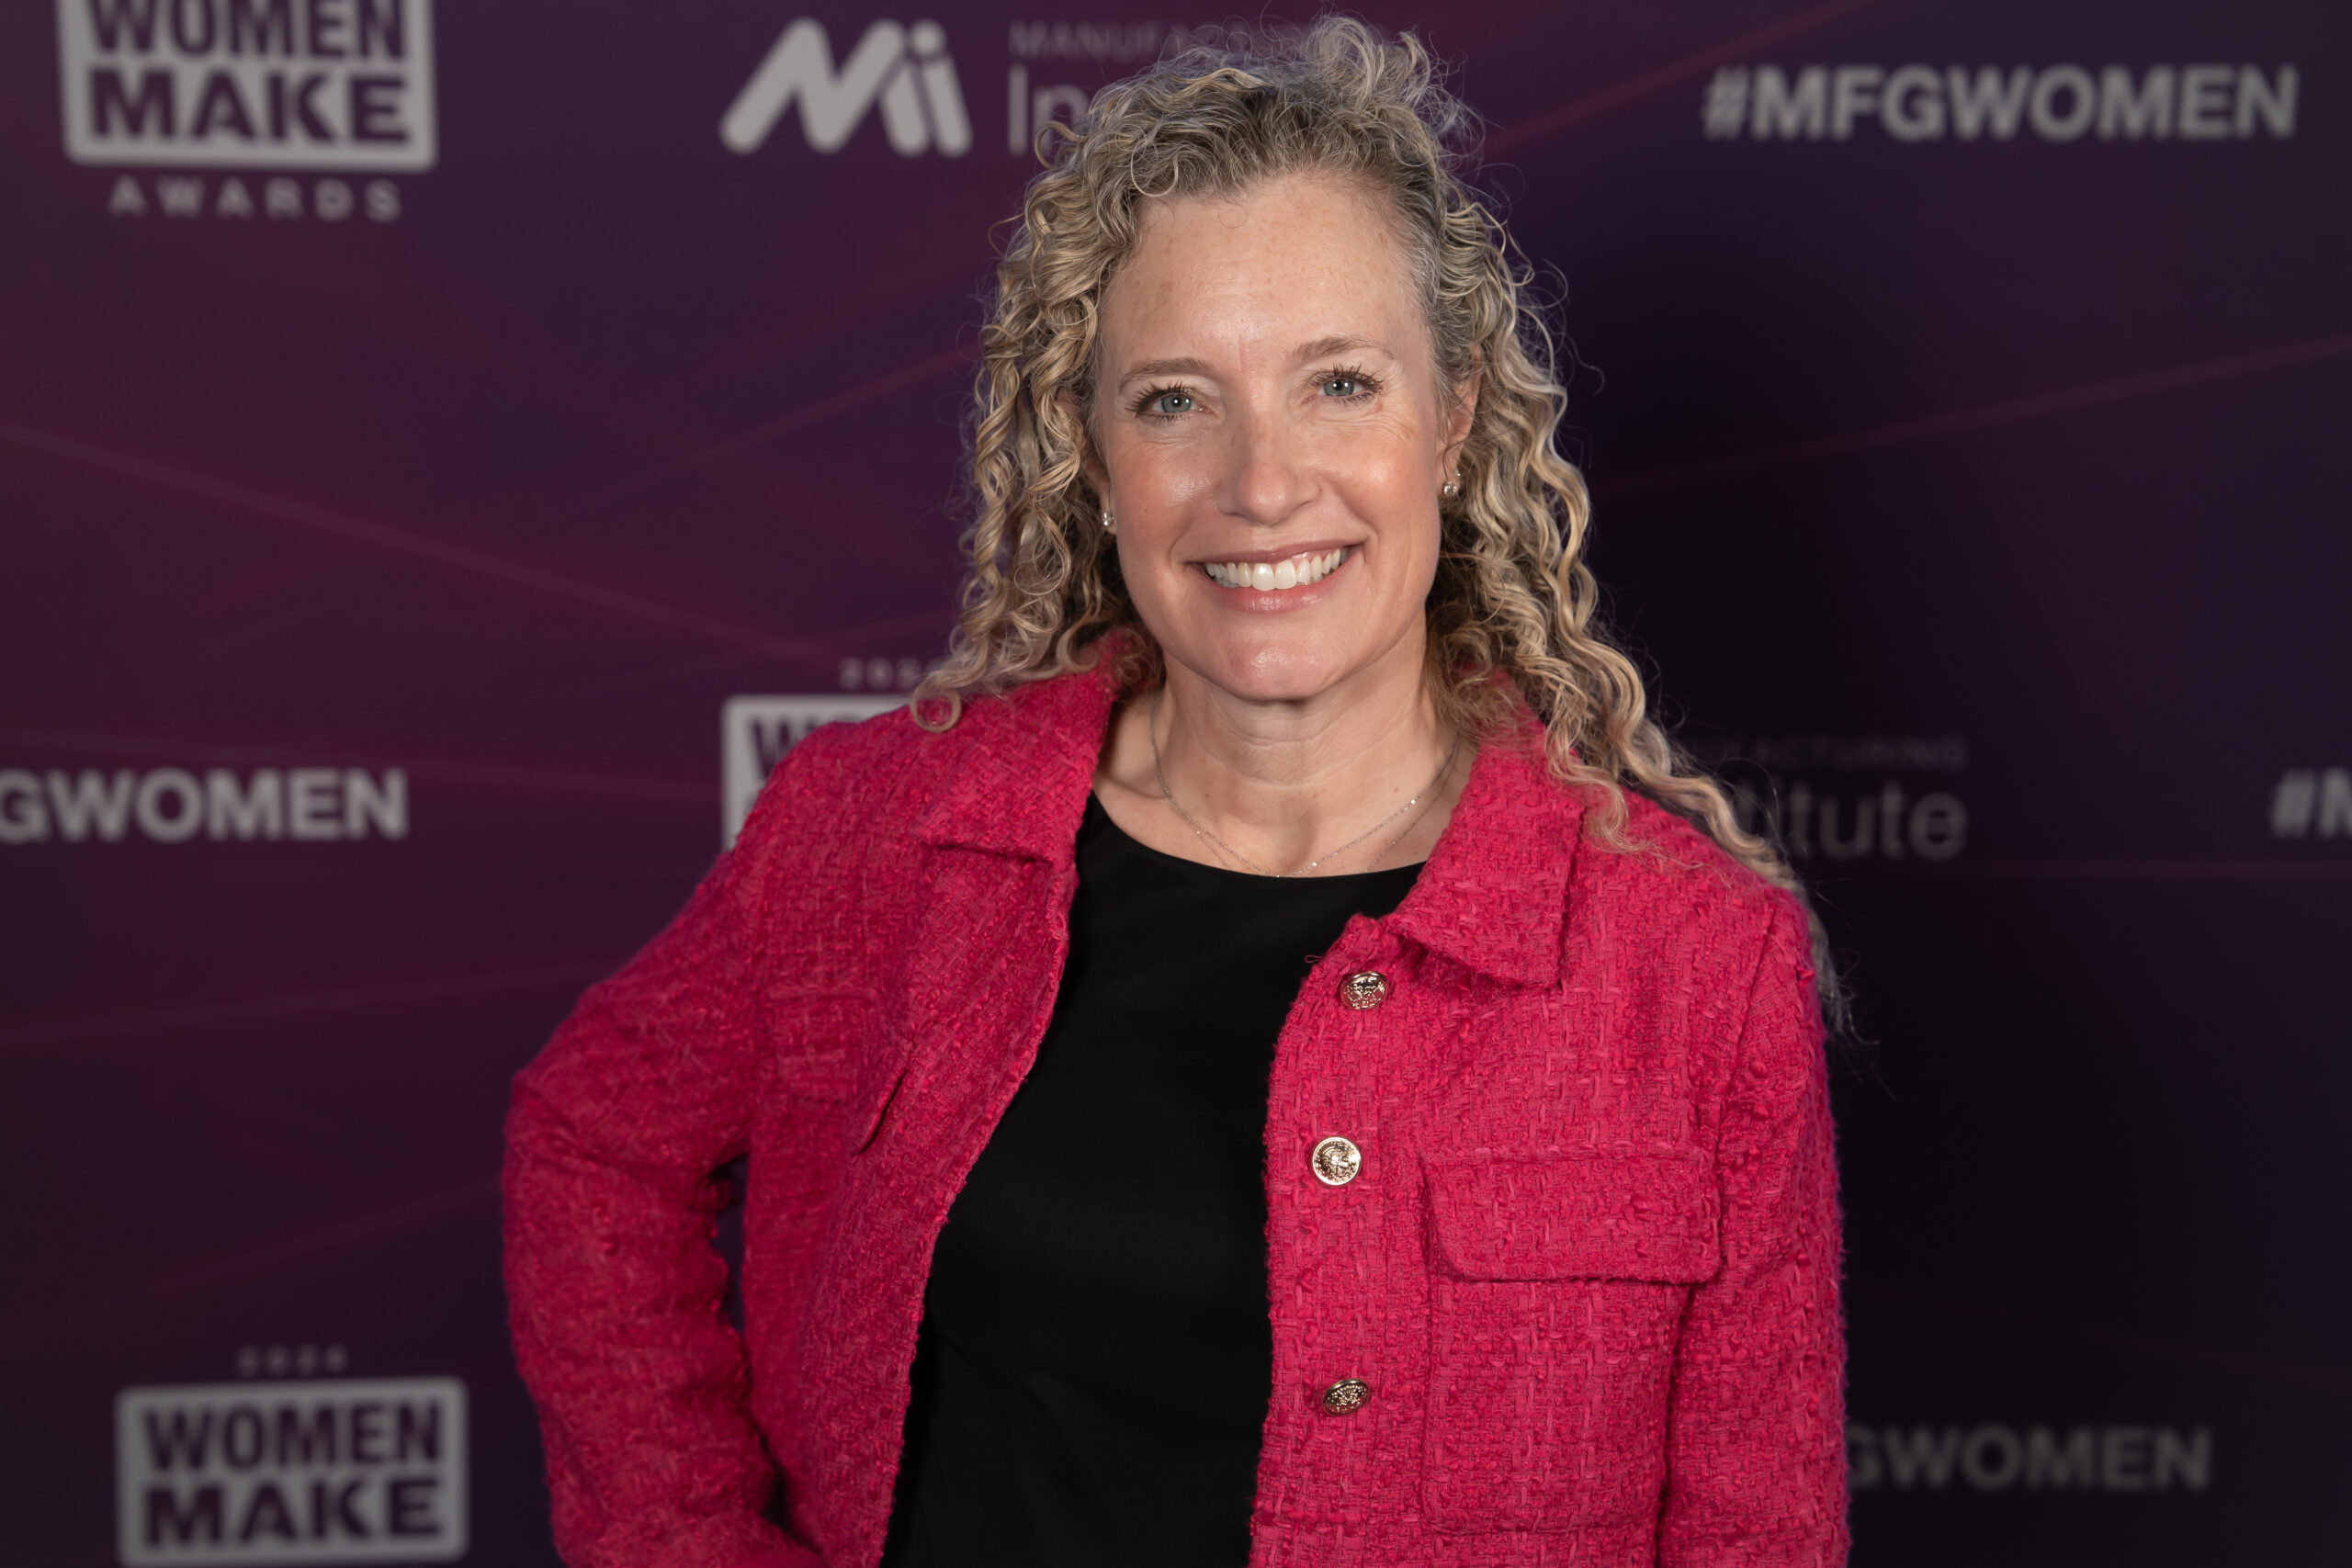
1756,1465
614,1140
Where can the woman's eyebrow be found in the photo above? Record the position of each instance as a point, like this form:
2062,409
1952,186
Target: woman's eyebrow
1186,366
1321,348
1346,342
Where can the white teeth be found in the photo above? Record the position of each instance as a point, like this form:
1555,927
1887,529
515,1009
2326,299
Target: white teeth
1274,577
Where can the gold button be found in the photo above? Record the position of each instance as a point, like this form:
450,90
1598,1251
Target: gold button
1346,1396
1336,1162
1364,989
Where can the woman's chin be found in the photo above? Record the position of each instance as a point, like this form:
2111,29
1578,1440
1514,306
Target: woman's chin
1278,669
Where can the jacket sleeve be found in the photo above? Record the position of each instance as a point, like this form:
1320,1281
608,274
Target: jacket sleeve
614,1142
1757,1449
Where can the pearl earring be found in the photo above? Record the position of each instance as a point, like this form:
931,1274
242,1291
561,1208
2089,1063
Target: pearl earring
1451,489
1109,521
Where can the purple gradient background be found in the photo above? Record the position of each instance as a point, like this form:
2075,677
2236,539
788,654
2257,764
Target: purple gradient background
611,424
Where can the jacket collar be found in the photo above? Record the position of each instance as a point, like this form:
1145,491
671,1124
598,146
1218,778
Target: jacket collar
1493,895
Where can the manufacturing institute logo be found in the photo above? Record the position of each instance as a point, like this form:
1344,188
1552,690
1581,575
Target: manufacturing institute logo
325,89
905,70
308,1471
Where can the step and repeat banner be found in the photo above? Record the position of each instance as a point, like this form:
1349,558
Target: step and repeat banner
447,453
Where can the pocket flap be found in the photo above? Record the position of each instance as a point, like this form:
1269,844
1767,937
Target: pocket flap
1570,1216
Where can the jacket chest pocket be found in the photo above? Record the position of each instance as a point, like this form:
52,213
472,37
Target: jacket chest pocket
1557,1284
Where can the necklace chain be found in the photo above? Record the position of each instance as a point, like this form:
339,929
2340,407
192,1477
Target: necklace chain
1152,729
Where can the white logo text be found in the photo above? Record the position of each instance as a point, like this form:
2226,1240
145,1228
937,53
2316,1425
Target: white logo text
248,84
172,805
356,1471
907,70
2056,103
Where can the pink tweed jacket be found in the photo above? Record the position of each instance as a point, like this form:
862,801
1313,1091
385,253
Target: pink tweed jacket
1588,1268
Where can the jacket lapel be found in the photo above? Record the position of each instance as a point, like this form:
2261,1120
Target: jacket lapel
1494,895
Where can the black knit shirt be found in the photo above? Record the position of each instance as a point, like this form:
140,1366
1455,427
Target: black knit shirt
1096,1357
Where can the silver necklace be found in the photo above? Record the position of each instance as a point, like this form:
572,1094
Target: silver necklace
1151,727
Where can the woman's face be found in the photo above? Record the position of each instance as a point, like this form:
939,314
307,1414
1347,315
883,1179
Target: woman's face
1271,434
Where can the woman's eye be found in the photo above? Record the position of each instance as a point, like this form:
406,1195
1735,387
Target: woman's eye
1166,404
1342,386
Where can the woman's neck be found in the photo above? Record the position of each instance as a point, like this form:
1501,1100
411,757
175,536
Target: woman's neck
1281,786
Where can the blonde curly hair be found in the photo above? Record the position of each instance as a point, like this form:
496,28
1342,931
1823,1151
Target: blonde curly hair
1512,594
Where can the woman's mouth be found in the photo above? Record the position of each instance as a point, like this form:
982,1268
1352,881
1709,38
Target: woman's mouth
1272,576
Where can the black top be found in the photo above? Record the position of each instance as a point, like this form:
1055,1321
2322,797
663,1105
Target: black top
1096,1356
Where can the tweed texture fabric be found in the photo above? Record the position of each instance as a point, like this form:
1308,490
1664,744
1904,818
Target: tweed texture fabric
1589,1268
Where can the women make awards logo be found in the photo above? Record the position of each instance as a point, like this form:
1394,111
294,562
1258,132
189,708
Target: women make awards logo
323,85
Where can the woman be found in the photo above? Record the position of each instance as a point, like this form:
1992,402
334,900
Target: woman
1260,1063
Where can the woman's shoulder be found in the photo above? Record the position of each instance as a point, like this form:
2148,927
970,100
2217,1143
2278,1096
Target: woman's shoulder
857,782
1685,917
1667,858
844,755
847,775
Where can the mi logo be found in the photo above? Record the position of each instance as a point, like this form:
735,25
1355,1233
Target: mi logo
906,69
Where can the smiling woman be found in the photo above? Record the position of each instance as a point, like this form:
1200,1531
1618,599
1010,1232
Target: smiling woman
1276,1058
1269,441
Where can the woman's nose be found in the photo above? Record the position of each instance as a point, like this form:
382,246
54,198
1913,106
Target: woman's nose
1265,481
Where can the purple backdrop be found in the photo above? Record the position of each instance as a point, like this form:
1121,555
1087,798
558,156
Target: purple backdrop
415,428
